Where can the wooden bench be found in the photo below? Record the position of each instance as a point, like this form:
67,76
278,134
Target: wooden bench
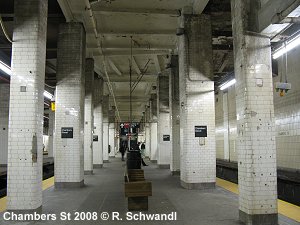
137,190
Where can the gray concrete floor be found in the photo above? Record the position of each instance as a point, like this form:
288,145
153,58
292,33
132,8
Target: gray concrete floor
104,192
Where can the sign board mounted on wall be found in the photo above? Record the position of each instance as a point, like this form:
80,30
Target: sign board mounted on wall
166,137
67,132
95,138
200,131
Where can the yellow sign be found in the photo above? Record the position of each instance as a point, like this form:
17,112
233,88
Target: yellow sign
53,106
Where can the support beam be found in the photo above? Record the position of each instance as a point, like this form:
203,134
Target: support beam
88,116
255,143
69,114
197,101
26,107
157,65
100,10
136,33
275,11
199,5
114,67
224,64
137,52
135,66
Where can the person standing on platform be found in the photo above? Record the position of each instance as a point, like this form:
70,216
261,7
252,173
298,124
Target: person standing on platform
123,150
143,153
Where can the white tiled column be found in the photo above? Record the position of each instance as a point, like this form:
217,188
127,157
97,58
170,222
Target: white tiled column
153,136
51,151
153,128
111,134
98,129
174,116
105,128
26,108
197,102
88,116
163,121
147,139
255,119
69,114
226,126
4,110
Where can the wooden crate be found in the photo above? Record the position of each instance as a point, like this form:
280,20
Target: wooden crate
138,189
137,203
136,175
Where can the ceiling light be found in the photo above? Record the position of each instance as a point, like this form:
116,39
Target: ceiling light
227,84
5,68
293,43
48,95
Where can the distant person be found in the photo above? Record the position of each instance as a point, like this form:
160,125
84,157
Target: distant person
122,150
142,150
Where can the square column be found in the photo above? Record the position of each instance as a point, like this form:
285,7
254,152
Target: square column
153,128
105,128
174,115
88,116
147,139
163,121
51,151
69,114
111,133
4,115
226,126
255,142
197,101
26,107
98,126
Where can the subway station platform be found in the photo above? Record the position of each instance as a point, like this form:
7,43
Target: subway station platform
104,192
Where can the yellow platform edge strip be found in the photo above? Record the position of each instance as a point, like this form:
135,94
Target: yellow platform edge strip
46,184
284,208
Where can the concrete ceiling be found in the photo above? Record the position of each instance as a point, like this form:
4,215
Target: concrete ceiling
148,27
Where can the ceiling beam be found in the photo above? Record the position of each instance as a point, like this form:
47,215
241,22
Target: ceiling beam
157,65
199,5
109,10
135,66
135,33
114,67
118,47
146,78
274,11
224,64
134,52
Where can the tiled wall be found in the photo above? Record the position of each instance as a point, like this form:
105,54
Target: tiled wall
287,117
287,114
4,108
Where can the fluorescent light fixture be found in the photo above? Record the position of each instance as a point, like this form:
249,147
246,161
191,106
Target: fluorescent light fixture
227,84
48,95
5,68
291,44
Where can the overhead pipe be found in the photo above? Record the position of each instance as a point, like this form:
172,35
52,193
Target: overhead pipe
93,22
4,30
285,13
291,20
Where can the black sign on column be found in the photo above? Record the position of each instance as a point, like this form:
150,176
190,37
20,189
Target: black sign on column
67,132
95,138
200,131
166,137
